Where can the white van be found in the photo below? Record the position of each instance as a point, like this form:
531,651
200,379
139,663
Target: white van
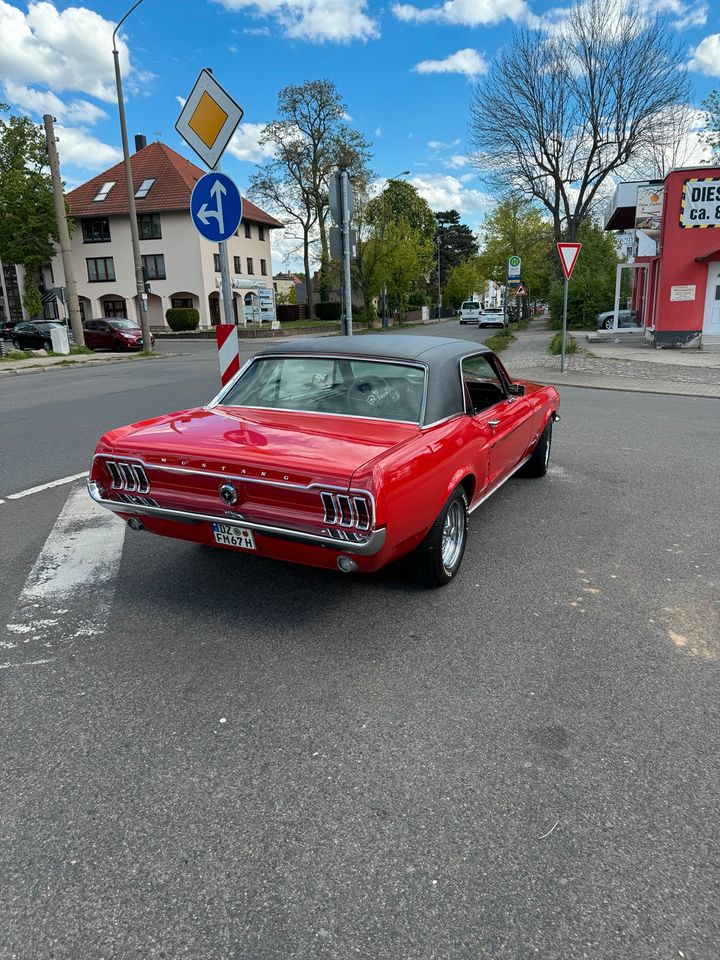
470,312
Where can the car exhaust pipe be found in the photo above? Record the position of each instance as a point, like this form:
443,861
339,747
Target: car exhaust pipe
346,564
135,524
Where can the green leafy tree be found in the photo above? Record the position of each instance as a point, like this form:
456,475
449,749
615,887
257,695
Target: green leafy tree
457,243
711,106
516,226
28,228
592,288
463,280
406,255
401,201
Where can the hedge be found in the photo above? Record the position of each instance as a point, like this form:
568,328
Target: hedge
182,318
328,310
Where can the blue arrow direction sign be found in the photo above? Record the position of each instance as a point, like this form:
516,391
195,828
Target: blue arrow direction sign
216,207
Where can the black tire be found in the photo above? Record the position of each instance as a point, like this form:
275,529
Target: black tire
426,561
16,345
538,463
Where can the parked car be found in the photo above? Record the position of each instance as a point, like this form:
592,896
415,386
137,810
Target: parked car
626,318
492,317
35,335
6,329
348,453
470,312
109,333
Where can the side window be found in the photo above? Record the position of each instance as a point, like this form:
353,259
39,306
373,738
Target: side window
483,385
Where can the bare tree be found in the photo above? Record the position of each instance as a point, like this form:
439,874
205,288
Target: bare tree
565,108
673,143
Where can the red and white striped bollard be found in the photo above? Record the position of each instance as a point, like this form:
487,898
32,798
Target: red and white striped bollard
228,353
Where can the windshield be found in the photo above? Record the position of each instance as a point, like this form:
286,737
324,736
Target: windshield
470,305
334,385
123,325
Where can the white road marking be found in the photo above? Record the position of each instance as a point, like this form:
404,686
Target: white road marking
70,589
44,486
24,663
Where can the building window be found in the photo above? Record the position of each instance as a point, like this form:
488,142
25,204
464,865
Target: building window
100,269
248,232
261,233
96,230
216,262
104,191
263,267
251,270
144,188
178,303
154,266
149,226
113,308
236,264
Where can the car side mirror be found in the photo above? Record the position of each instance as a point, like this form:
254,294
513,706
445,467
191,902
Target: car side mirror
517,389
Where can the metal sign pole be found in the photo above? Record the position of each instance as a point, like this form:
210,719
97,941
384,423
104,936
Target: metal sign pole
564,327
347,279
226,289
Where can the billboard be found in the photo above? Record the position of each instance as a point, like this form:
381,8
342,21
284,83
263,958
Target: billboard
648,208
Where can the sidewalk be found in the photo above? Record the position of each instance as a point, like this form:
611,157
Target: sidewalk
620,367
11,368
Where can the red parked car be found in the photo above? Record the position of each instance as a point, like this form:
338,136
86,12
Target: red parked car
112,333
350,452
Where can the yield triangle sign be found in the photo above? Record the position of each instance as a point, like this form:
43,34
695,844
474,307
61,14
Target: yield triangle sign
568,257
520,292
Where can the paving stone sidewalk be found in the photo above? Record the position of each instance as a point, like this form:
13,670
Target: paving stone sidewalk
530,354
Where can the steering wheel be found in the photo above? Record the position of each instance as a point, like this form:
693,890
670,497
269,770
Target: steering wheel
368,392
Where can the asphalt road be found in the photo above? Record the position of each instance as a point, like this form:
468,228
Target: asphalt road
255,760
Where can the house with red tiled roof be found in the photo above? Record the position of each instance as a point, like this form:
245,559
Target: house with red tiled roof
182,268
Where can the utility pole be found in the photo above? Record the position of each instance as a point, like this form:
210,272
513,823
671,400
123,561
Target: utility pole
347,276
142,301
64,234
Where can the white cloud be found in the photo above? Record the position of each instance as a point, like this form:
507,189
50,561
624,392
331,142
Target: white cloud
43,101
378,132
245,143
81,149
705,58
471,13
468,62
456,161
318,21
680,13
445,192
346,117
65,50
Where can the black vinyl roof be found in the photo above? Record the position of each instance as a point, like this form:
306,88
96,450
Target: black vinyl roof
441,356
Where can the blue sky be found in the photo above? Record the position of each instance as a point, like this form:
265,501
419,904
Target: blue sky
405,71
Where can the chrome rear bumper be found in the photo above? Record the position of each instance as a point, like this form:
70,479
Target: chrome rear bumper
340,540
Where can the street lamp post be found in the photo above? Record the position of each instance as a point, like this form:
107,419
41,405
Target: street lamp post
142,302
439,286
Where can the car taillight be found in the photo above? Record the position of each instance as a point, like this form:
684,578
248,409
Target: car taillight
350,511
128,476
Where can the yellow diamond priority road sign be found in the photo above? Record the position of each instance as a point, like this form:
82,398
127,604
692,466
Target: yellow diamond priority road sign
208,119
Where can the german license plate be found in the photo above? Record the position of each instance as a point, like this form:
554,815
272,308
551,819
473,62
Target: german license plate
231,536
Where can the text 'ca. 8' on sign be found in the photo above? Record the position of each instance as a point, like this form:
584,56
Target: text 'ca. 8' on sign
700,204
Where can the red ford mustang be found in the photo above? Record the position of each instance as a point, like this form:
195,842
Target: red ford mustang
347,453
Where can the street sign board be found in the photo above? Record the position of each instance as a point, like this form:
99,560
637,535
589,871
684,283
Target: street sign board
216,207
335,198
513,266
520,291
266,298
568,257
208,119
513,282
336,242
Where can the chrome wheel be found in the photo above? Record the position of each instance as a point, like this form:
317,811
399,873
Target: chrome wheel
453,535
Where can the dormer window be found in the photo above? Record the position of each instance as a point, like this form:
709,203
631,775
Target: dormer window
144,188
104,191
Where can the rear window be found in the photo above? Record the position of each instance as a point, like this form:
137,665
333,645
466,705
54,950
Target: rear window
470,305
332,385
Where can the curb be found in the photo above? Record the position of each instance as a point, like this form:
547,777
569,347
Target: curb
45,368
660,388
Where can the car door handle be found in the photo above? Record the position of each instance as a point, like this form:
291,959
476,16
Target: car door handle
493,423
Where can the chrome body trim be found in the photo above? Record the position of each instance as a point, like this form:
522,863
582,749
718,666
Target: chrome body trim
497,486
349,541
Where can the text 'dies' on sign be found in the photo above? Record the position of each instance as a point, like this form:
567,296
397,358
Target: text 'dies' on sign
700,204
216,207
208,119
568,257
682,293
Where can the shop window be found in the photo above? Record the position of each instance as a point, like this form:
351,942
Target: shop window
178,303
114,308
